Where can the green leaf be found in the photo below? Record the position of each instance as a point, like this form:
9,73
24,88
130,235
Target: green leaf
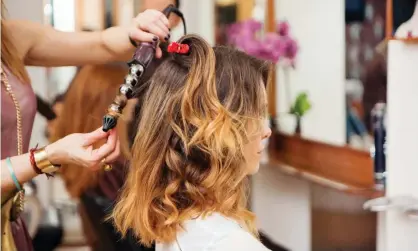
301,105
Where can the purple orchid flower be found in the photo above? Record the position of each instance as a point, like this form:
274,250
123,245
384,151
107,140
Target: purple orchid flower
283,28
290,48
252,25
248,26
273,46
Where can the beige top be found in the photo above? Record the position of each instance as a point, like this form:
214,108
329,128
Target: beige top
213,233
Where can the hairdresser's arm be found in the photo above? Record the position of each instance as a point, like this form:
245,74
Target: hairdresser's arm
24,173
74,149
42,45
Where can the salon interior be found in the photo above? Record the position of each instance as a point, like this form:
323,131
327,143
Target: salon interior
339,172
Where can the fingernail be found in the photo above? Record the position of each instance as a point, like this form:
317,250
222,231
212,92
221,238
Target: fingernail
154,38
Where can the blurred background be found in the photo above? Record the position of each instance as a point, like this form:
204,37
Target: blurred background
331,71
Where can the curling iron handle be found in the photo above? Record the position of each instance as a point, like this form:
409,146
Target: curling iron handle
144,53
143,56
167,10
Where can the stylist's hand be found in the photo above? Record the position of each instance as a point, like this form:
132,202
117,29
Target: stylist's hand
145,27
77,149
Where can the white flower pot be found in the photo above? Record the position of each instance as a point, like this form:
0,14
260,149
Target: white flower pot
286,123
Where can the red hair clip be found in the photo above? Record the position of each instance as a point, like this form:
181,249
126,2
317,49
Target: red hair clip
175,47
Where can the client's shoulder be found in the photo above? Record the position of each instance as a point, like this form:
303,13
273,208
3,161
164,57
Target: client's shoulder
216,232
202,233
210,228
238,240
213,233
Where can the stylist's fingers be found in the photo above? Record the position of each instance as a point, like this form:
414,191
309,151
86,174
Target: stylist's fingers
96,135
142,36
158,52
113,156
154,22
163,19
163,27
159,17
107,148
155,29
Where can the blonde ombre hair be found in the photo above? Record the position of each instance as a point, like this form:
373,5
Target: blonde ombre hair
187,155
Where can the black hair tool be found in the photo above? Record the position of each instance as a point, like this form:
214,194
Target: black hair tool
45,109
142,57
378,152
172,9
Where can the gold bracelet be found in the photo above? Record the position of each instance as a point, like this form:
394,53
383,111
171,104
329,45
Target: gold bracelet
43,163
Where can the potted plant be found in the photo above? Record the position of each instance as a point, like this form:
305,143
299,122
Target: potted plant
299,108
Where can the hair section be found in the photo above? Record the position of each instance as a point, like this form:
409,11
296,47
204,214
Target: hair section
84,105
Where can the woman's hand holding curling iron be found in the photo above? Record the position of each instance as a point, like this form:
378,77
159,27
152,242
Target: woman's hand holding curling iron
145,27
78,149
41,45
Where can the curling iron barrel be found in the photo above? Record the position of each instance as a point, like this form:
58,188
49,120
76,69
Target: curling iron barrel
142,57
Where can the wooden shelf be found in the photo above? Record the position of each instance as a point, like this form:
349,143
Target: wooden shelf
412,40
340,168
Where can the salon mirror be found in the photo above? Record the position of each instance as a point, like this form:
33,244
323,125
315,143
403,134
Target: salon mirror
365,83
366,51
101,14
358,81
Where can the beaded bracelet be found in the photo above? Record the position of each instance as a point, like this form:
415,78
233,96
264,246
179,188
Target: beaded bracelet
12,173
32,160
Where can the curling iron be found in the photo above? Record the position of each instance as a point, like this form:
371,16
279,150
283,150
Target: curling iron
141,59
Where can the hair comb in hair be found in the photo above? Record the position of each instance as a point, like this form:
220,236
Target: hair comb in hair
178,48
143,56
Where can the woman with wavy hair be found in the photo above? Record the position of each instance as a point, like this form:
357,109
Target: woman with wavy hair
199,131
